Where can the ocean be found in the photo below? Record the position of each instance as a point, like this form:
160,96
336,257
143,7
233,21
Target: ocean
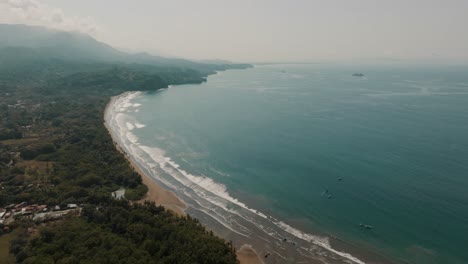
306,162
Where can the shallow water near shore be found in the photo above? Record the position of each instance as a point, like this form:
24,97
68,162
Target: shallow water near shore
286,157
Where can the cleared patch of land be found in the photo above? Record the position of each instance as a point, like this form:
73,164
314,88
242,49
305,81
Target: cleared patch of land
13,142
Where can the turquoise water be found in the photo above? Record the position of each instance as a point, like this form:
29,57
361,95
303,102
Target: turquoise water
279,137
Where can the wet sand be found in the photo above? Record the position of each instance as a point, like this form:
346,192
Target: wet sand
155,192
247,255
160,195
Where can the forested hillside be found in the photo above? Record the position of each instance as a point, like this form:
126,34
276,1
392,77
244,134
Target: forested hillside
55,152
43,43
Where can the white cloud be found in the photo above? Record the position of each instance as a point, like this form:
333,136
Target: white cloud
33,12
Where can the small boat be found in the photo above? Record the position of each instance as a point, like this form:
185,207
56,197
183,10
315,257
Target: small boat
358,75
366,226
329,196
340,179
324,192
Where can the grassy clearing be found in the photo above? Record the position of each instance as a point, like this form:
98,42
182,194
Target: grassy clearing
35,165
13,142
5,256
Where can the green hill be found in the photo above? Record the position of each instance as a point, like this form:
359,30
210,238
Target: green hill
40,43
55,150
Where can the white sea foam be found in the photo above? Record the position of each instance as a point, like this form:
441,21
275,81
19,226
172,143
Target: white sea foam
139,125
426,93
129,126
156,155
209,190
132,137
210,196
320,241
124,101
208,184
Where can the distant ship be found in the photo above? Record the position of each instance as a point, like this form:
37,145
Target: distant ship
366,226
358,75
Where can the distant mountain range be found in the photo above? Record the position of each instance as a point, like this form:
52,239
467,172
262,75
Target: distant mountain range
33,42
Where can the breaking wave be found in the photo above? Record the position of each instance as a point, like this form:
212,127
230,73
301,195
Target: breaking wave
205,196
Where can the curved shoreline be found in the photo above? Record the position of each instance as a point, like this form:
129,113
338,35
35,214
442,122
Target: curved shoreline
155,192
256,229
246,254
264,233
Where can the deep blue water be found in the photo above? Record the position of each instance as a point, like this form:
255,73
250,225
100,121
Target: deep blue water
279,137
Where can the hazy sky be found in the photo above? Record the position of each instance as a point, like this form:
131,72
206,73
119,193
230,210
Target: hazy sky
262,30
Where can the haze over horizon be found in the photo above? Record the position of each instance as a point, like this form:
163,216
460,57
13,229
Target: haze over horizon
262,31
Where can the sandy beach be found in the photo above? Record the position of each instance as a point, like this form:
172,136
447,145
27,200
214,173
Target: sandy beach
160,195
155,192
246,254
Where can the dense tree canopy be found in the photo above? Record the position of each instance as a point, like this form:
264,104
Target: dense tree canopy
123,233
55,149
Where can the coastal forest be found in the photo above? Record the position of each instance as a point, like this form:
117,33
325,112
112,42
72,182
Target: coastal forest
56,151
